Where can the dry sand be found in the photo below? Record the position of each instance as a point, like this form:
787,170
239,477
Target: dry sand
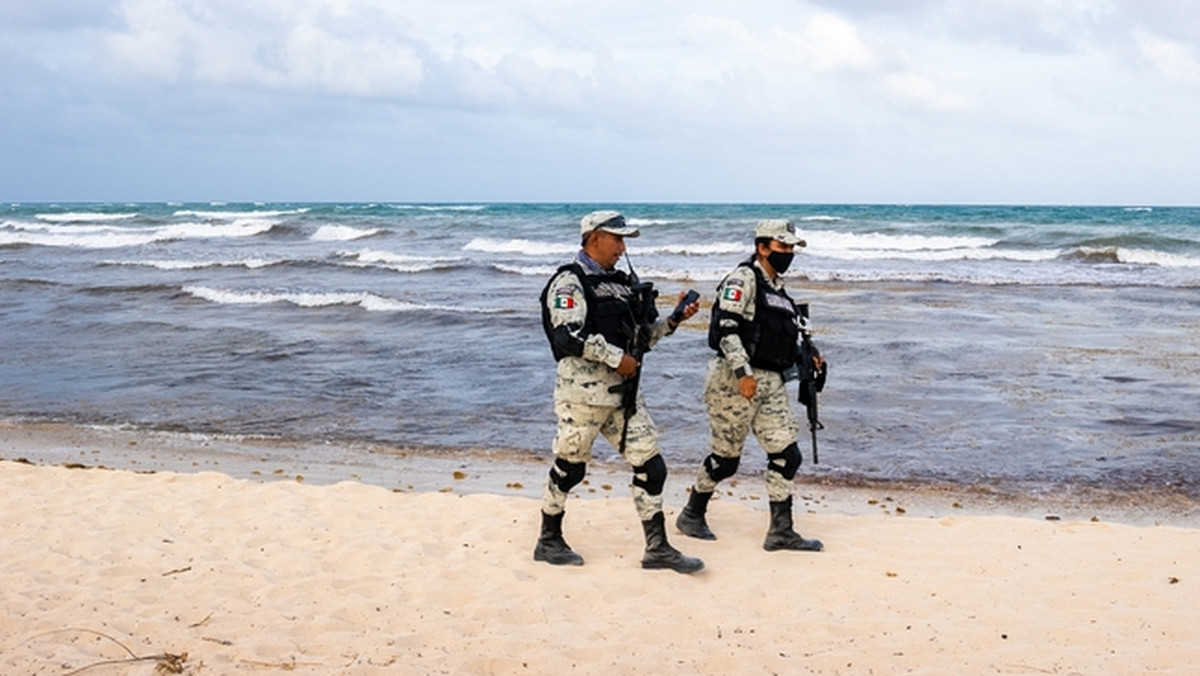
214,564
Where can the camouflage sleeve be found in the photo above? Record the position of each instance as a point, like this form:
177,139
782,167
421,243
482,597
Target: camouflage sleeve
660,330
734,305
568,315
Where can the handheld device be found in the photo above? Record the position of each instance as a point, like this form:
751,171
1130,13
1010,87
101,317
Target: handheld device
688,299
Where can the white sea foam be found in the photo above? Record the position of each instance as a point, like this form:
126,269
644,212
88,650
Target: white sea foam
236,215
343,233
919,276
30,226
826,244
86,237
398,262
520,246
109,237
250,263
242,227
377,256
711,273
713,249
875,241
1027,256
1160,258
684,275
368,301
526,270
436,207
882,246
84,217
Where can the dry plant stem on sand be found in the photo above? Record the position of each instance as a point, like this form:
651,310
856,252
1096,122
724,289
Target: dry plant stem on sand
165,663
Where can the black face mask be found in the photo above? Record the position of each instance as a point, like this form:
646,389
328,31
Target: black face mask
780,261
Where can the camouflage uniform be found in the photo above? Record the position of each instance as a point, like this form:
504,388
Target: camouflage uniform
582,401
731,416
773,342
589,367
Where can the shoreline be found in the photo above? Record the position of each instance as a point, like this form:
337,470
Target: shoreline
468,471
311,568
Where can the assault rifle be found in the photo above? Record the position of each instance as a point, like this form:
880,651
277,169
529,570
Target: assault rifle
812,379
637,343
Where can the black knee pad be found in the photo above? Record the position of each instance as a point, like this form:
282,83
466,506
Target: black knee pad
720,469
791,462
567,475
655,470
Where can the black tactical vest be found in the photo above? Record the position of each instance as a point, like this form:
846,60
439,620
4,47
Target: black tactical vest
771,338
610,307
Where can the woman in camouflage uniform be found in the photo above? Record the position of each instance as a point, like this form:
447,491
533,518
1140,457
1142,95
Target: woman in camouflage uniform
754,329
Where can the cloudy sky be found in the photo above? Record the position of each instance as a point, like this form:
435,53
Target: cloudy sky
913,101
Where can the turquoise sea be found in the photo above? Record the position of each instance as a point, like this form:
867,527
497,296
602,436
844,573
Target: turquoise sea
1029,348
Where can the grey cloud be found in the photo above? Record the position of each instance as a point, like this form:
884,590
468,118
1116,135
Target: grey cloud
346,98
21,16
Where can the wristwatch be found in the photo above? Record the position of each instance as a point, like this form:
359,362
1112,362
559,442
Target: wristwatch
743,371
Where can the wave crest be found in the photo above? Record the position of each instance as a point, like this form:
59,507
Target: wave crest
519,246
343,233
111,237
1108,254
84,217
399,262
366,300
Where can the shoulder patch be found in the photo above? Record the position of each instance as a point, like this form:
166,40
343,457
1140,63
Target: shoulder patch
564,296
732,293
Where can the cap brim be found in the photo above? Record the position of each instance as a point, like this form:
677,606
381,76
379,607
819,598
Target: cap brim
624,232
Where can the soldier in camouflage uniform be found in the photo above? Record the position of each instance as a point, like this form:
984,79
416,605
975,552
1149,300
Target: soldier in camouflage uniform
588,310
754,329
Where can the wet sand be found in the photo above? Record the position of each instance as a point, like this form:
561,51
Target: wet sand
518,473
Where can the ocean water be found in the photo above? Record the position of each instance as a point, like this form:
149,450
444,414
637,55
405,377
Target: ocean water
1021,347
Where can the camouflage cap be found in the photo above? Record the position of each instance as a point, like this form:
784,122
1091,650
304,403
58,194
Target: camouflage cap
608,221
779,229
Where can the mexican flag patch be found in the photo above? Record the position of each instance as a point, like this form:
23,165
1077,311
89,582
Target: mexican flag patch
732,294
563,302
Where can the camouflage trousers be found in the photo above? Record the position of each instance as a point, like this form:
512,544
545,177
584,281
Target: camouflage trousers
731,418
578,427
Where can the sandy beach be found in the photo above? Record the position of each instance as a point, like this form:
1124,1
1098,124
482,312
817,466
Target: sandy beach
127,553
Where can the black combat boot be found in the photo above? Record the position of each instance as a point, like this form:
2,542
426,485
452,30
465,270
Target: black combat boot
780,534
660,553
691,520
551,547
